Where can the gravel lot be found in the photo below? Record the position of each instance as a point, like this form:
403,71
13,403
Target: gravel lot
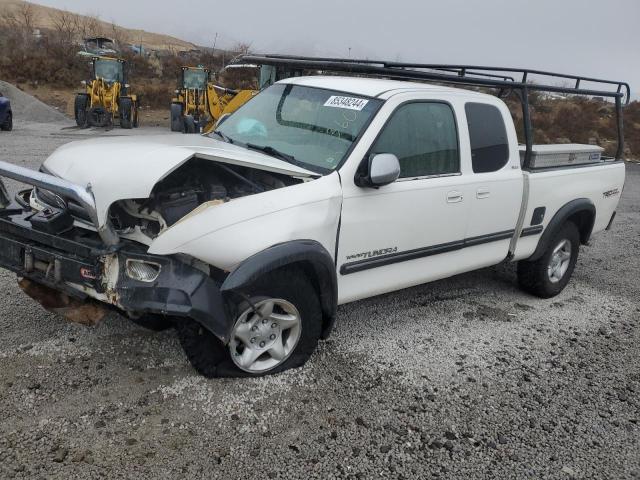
460,379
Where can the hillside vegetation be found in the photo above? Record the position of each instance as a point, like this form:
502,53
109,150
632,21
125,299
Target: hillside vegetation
40,46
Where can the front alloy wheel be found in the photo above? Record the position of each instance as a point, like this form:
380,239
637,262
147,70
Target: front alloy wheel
264,337
277,326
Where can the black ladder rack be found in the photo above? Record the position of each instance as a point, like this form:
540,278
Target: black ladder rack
518,80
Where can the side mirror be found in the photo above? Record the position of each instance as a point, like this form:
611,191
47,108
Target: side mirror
384,168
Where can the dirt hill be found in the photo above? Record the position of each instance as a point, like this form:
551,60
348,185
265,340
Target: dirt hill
45,18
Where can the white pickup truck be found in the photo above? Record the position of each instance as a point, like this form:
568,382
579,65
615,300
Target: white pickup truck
321,190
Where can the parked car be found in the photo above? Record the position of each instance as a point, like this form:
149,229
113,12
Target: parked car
319,191
6,115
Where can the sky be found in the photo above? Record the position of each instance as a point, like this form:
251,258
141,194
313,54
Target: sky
598,38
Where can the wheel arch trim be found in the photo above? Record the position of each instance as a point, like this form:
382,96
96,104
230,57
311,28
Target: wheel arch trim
316,262
579,206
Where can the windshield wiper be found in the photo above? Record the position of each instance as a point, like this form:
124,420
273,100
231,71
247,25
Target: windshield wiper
223,136
273,152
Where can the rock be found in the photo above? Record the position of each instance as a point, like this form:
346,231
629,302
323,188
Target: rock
360,422
449,435
491,444
568,470
502,440
436,445
79,456
100,424
60,455
448,445
385,448
130,441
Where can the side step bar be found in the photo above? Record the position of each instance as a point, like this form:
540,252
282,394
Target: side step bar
64,188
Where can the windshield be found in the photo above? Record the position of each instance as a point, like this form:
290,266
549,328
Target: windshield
109,70
315,127
195,79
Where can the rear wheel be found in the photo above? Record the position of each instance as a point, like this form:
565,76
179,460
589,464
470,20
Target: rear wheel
7,126
547,276
80,110
177,122
276,329
126,113
136,115
189,124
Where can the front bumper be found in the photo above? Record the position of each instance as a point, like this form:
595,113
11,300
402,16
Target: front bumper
79,264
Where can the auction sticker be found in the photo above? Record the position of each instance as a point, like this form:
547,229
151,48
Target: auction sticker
350,103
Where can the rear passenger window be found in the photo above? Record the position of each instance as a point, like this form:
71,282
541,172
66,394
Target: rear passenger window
424,137
488,135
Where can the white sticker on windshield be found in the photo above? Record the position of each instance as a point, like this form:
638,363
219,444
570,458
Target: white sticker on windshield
349,103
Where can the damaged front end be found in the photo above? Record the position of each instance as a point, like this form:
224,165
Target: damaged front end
196,185
79,272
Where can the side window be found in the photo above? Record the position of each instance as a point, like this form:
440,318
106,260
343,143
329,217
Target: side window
488,136
424,137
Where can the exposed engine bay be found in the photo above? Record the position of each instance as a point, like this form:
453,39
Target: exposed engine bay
196,182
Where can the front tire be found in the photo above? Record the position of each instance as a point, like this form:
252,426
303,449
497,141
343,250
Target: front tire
549,275
177,122
7,126
126,113
189,124
280,333
80,107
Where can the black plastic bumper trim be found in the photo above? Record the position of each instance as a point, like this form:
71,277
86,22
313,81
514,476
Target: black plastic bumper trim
179,290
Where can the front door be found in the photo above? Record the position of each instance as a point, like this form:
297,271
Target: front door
411,231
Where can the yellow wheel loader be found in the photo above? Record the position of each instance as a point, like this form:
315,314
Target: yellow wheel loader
199,103
106,100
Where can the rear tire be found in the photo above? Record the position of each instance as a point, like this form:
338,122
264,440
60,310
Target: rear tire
7,126
136,115
189,124
547,276
177,122
291,288
126,113
80,110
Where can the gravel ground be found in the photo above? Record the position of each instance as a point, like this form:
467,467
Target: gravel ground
459,379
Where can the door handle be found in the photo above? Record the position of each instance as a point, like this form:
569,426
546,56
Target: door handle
483,192
454,197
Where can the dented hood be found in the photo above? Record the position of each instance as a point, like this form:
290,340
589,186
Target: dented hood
118,168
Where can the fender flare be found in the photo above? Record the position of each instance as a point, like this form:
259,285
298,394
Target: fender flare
560,218
311,255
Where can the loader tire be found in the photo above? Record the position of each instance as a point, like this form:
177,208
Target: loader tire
177,122
189,124
80,110
136,115
126,113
